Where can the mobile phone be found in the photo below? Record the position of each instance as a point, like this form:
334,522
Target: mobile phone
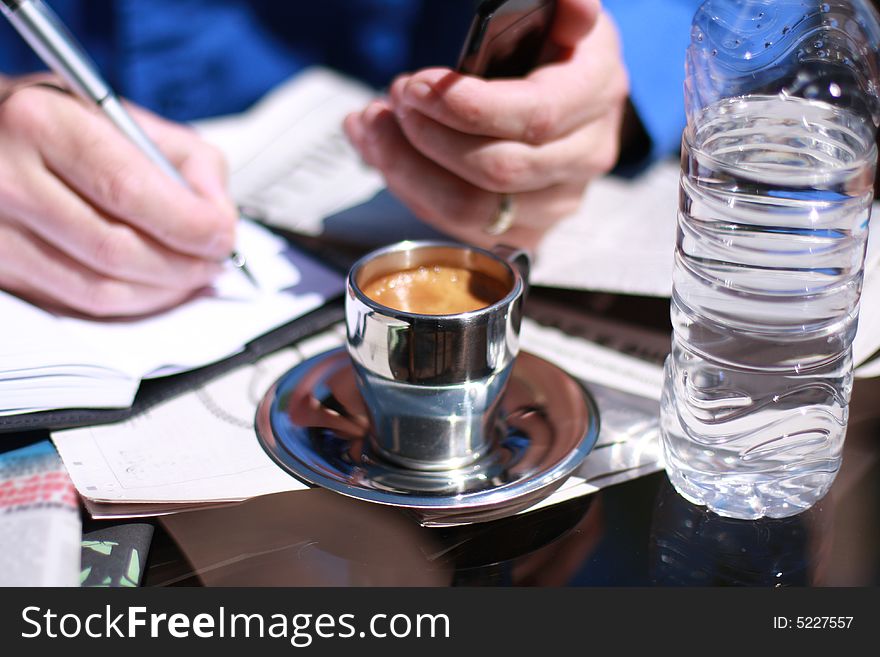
506,37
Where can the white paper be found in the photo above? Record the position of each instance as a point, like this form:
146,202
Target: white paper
591,362
200,448
621,240
197,447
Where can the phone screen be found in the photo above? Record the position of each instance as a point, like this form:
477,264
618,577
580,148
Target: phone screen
506,37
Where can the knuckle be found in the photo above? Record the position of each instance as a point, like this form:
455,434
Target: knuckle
504,172
23,111
540,124
468,109
111,251
453,210
122,189
459,208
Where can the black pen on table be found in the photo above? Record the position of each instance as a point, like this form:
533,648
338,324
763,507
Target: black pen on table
44,32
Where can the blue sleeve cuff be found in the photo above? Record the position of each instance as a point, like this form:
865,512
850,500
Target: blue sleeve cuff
655,37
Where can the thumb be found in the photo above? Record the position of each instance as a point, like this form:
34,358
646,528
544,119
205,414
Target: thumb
574,20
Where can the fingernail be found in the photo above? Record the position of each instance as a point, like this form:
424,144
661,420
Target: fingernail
372,113
417,92
402,112
354,129
221,243
398,88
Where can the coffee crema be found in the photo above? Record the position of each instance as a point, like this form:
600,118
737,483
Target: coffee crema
436,290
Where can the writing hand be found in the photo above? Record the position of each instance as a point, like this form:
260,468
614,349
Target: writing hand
89,224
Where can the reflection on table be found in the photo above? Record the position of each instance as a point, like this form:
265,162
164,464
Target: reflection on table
639,533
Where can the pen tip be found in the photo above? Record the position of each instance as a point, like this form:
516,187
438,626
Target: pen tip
237,260
240,263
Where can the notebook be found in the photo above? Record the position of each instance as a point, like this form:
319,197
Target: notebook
58,370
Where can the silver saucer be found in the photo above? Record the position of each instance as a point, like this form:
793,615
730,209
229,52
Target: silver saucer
313,423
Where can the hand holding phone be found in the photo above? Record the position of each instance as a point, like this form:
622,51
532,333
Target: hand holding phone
457,148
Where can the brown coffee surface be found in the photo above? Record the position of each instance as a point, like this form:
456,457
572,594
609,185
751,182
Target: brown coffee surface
435,290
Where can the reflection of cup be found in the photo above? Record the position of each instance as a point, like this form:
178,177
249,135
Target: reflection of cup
433,330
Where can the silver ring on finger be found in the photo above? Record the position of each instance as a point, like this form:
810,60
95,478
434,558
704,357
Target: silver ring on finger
504,216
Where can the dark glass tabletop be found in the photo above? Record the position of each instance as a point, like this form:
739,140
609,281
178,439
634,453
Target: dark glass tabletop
639,533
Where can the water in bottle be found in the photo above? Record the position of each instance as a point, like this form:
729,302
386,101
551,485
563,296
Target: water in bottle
775,198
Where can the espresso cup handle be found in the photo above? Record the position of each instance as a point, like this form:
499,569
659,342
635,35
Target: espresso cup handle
517,258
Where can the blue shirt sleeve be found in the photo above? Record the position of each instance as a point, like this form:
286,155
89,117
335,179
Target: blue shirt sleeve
188,59
655,35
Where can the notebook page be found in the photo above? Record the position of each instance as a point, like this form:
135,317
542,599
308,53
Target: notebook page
40,363
620,240
210,327
49,361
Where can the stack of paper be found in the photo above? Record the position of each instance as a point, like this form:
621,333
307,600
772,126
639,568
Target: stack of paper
50,361
199,448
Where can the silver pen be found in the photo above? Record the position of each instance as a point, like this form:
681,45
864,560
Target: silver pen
44,32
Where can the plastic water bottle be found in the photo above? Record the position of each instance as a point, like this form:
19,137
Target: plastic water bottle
778,162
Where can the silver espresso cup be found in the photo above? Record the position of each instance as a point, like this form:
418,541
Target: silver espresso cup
432,384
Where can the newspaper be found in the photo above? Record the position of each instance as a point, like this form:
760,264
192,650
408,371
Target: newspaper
40,527
290,163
